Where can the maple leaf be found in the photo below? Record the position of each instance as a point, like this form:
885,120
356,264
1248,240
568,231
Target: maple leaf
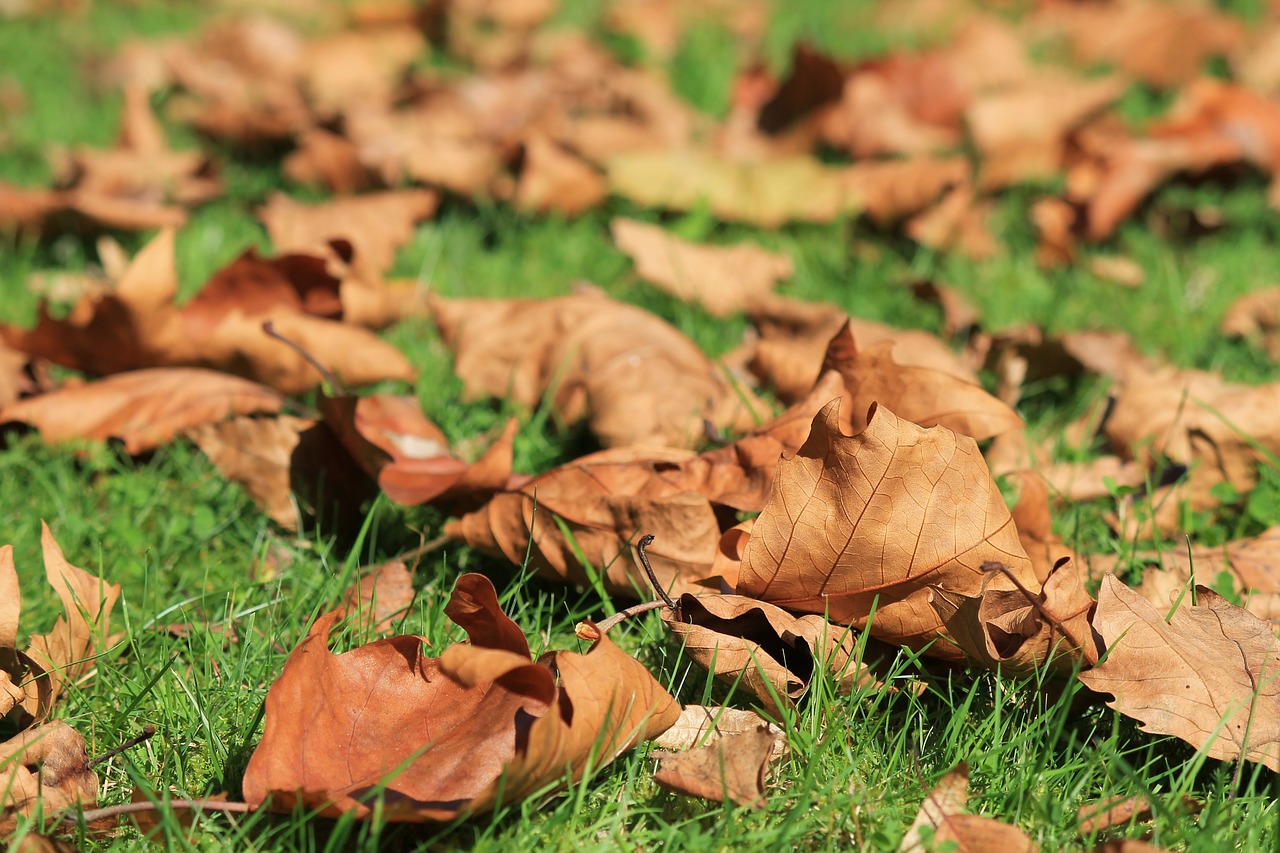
942,821
442,737
864,524
723,279
634,377
1209,675
144,409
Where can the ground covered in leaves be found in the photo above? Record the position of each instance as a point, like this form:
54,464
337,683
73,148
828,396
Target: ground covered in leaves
591,425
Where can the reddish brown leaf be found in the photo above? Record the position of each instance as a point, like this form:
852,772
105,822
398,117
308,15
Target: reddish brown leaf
1207,675
733,768
144,408
865,524
449,736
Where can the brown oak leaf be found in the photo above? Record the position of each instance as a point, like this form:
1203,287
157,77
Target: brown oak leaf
866,524
437,738
1209,674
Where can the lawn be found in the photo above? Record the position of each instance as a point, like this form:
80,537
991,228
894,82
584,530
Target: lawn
191,549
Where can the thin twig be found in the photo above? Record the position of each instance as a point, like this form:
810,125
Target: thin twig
423,549
148,731
269,327
94,815
633,610
645,541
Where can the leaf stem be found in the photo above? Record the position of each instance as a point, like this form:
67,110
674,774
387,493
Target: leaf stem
94,815
633,610
269,327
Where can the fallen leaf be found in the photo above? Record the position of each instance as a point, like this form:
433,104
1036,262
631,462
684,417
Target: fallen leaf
794,337
866,524
329,160
631,375
1256,317
1083,481
138,325
918,394
1207,675
1022,632
1251,567
555,179
82,633
44,768
733,768
763,649
376,225
723,279
1125,272
942,821
959,317
1021,132
438,738
1117,811
144,409
958,222
382,594
699,725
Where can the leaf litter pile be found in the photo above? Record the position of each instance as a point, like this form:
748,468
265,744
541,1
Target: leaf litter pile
832,496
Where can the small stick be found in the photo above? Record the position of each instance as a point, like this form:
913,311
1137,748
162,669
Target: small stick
633,610
269,327
423,549
645,541
148,731
94,815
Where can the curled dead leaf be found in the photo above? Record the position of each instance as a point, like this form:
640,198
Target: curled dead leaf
437,738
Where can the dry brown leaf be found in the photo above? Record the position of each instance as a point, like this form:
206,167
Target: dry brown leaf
437,737
958,222
1117,811
733,768
1213,124
1221,430
942,821
1033,517
1023,631
1054,220
604,501
137,325
1210,674
554,179
722,279
329,160
763,649
866,524
1083,481
1251,567
72,646
699,725
631,375
294,468
47,768
375,225
1164,44
794,337
1021,132
381,595
143,408
1256,317
959,317
918,394
1117,269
